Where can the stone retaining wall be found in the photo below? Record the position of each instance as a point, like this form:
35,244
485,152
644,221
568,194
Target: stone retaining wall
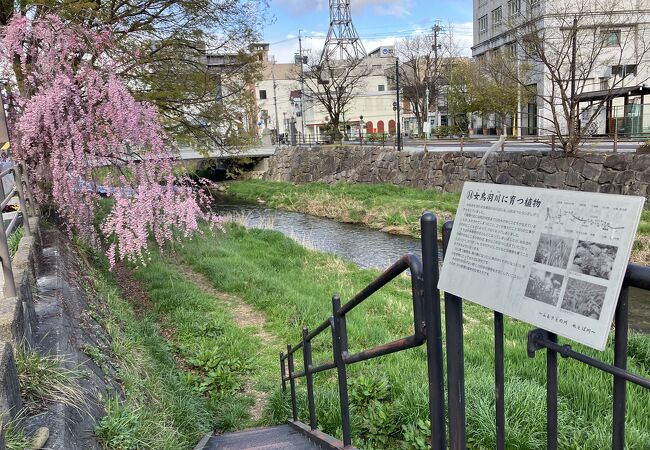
619,173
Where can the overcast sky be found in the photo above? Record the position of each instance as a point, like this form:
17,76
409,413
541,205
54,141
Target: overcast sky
378,22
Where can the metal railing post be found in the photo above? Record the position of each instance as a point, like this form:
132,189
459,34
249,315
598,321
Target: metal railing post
21,201
28,188
292,383
499,381
551,395
432,315
620,360
455,360
306,353
9,288
339,338
282,372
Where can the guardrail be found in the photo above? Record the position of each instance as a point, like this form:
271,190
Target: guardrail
427,330
16,190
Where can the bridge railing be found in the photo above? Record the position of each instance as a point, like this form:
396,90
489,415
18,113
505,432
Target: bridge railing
427,330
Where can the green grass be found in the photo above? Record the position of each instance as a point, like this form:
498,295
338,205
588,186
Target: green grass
292,286
387,207
383,206
161,407
45,379
13,240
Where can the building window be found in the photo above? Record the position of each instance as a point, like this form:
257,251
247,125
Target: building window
262,94
381,88
624,70
483,24
604,83
497,16
514,7
611,38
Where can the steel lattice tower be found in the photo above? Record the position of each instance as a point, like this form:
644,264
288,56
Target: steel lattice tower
342,42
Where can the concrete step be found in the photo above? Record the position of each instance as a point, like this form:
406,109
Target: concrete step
281,437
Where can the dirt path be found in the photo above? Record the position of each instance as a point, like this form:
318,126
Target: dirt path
245,316
242,313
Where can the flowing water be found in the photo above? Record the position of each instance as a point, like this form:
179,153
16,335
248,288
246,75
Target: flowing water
366,247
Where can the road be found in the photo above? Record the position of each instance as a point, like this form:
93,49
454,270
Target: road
511,146
188,153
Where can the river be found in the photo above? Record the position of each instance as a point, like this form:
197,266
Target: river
366,247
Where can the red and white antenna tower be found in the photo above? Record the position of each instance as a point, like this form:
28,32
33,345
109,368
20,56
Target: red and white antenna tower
342,42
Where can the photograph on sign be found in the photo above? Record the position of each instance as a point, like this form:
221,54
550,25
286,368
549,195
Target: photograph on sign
555,259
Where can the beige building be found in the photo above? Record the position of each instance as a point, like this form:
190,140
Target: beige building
280,102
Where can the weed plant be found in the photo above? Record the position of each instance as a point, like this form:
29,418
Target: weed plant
45,379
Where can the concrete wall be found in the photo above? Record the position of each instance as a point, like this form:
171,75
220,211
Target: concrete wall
619,173
17,319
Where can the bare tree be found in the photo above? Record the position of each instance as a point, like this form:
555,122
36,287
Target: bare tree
573,49
333,84
422,58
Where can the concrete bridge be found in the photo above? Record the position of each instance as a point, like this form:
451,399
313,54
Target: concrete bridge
192,154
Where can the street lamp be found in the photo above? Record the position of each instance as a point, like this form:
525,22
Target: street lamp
361,124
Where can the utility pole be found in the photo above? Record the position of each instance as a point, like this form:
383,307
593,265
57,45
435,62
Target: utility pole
399,126
302,87
574,52
275,104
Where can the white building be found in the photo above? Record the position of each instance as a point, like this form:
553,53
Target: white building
612,62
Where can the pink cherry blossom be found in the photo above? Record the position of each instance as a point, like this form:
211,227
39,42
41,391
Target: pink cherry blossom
70,115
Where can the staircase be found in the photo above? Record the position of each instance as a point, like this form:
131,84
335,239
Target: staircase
282,437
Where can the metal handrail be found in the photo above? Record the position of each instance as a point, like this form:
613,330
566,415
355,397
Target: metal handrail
424,312
427,329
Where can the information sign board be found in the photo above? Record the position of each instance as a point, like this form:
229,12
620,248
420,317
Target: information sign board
555,259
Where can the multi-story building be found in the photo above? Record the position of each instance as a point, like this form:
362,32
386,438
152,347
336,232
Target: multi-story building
602,59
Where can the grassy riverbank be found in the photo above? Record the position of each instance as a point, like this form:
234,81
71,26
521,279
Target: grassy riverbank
386,207
198,292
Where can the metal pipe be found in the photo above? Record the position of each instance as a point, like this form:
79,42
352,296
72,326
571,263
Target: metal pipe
310,379
319,329
12,225
386,349
620,361
637,276
9,288
28,186
341,370
7,198
292,383
551,395
324,367
567,352
429,229
455,360
282,372
408,261
295,349
499,381
21,200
